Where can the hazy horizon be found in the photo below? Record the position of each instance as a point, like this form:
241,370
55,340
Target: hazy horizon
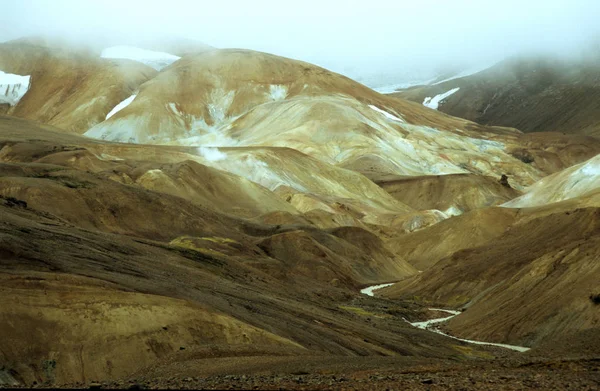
354,38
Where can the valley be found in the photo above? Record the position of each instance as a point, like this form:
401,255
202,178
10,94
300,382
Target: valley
181,216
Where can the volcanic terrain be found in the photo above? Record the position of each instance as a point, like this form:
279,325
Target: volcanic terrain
179,216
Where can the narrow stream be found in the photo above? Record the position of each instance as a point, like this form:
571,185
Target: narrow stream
429,325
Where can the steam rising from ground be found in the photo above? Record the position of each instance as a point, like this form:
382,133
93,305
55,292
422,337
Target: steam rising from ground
212,154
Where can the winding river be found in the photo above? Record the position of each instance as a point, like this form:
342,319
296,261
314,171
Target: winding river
429,325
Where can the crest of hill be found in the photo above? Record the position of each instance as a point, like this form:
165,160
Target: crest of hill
70,87
238,98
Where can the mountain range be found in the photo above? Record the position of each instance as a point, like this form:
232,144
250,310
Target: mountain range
173,213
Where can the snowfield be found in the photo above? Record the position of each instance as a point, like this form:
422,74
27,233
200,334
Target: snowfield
386,114
13,87
156,60
434,103
392,88
468,72
120,106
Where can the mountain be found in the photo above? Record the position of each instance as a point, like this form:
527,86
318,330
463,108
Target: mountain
189,218
539,250
69,88
236,98
532,94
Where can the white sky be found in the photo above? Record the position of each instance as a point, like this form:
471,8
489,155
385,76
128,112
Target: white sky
352,37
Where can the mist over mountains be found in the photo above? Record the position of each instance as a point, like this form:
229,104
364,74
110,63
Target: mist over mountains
260,196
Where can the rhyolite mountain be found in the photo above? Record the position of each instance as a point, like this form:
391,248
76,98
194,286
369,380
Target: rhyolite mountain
181,209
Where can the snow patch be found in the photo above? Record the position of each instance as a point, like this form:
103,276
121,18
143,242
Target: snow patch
386,114
218,105
592,168
397,87
212,154
13,87
154,59
434,103
120,106
174,109
154,172
467,72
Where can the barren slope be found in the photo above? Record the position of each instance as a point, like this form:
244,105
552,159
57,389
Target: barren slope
529,281
69,88
531,94
108,278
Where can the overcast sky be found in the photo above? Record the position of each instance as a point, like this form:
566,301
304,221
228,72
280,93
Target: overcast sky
352,37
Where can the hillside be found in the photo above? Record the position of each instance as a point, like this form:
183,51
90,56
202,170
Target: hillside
537,94
189,216
501,263
69,88
236,98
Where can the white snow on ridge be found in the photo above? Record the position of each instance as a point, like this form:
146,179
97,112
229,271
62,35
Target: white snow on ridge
120,106
156,60
386,114
434,103
467,72
392,88
13,87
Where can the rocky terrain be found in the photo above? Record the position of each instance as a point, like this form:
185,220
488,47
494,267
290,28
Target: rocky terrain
531,93
181,216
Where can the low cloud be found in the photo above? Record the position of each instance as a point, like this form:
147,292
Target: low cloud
356,38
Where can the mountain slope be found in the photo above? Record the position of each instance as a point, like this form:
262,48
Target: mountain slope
69,87
241,201
576,181
236,98
84,250
537,94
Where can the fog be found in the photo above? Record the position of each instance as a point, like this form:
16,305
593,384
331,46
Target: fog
362,39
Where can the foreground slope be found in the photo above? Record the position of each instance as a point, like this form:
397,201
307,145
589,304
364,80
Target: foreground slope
81,248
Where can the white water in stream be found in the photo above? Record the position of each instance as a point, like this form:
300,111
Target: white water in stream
369,290
429,324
